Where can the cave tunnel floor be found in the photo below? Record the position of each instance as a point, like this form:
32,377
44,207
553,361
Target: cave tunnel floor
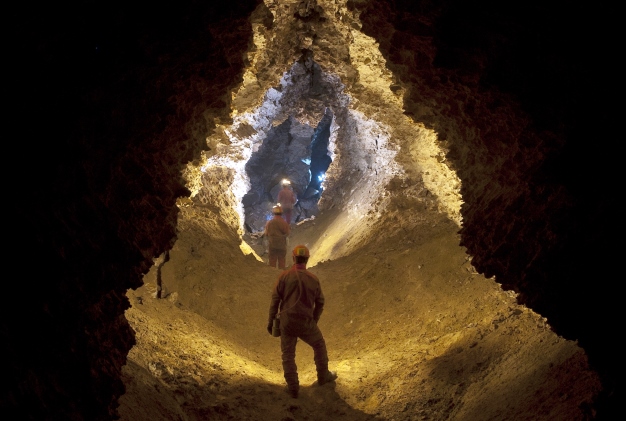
412,330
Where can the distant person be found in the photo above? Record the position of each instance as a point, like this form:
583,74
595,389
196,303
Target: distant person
287,200
299,295
276,231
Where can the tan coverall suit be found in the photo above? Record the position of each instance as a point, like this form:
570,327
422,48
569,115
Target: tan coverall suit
276,231
299,294
287,199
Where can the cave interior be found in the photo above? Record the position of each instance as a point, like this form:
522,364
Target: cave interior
126,115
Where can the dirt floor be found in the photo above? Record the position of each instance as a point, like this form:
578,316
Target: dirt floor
412,330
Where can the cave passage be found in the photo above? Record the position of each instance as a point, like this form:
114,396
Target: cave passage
291,151
406,315
320,161
153,114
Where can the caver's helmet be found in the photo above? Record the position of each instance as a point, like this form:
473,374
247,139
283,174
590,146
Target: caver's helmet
301,250
277,210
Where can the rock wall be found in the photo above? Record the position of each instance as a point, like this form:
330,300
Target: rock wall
107,107
507,90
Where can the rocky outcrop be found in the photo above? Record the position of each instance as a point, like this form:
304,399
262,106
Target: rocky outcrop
109,105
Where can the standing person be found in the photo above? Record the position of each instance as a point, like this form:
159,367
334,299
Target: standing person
276,231
299,295
287,200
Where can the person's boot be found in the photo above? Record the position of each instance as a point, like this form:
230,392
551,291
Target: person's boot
292,391
327,377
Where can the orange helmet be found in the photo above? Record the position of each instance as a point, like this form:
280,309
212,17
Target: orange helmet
301,250
277,210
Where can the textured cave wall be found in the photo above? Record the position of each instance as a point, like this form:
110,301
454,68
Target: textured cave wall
108,104
369,127
104,134
518,92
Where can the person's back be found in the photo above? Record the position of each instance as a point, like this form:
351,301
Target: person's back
276,231
287,200
301,294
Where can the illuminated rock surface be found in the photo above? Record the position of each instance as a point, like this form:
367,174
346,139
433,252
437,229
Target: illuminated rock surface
463,237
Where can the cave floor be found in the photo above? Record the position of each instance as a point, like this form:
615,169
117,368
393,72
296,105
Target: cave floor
412,330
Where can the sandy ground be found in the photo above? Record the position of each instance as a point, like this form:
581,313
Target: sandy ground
412,330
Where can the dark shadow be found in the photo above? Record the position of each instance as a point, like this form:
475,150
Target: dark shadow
510,393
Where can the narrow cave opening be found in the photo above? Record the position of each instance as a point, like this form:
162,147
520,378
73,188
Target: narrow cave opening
385,246
293,152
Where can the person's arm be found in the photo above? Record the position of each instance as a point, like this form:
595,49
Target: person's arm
274,304
319,305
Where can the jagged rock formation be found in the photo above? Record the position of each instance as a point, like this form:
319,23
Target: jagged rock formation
121,116
123,113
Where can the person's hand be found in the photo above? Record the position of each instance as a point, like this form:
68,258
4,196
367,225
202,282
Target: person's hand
269,328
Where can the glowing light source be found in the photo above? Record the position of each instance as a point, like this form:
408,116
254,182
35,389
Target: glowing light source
286,182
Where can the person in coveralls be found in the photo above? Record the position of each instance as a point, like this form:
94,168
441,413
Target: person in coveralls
276,231
298,295
287,200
